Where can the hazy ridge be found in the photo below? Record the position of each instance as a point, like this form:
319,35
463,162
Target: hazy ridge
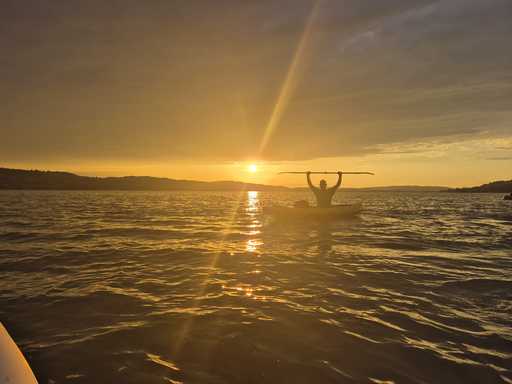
41,180
493,187
18,179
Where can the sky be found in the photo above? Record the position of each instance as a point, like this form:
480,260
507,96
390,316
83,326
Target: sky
418,92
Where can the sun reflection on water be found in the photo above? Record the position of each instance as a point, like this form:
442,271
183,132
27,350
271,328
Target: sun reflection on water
252,202
253,228
252,231
247,291
252,245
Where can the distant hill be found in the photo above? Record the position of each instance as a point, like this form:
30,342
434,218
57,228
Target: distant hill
40,180
494,187
45,180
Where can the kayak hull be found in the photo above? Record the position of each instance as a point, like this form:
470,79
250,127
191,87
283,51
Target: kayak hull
334,212
14,369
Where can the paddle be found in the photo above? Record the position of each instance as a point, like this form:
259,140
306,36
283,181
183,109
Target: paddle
332,173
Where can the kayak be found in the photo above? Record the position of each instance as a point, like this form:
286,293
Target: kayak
14,369
334,212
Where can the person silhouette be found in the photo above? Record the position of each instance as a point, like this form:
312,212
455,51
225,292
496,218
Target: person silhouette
323,195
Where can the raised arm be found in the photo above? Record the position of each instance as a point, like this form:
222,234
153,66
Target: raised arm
339,181
309,181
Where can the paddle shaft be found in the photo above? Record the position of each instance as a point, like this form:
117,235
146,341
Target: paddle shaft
331,173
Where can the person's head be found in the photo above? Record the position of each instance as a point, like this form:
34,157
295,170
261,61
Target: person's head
323,184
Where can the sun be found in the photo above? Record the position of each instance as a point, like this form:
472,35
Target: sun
252,168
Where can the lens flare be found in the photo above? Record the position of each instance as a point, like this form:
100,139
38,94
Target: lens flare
292,78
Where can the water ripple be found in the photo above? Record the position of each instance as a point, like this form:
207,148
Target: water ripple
146,287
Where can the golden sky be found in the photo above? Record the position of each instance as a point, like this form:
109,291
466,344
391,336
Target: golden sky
417,92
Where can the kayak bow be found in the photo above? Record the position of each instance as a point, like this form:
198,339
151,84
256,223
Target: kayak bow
13,366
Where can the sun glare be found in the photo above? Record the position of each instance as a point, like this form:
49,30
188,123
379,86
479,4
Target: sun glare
253,168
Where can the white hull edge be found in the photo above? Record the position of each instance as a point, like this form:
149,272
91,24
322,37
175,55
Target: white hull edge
14,369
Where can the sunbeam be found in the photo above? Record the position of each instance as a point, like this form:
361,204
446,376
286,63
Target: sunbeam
290,82
231,221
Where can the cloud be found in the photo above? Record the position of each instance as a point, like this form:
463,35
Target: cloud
200,79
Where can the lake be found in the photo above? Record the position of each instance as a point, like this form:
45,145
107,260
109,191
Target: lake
200,287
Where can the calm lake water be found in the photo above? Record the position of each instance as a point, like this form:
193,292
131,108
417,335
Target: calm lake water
186,287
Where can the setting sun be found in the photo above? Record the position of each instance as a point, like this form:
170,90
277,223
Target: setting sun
252,168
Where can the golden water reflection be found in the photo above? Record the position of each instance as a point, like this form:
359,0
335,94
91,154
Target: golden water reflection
252,245
253,228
